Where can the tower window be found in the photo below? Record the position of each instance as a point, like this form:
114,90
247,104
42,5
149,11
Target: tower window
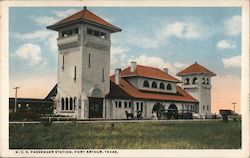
70,104
120,104
74,73
67,104
195,80
207,107
203,107
162,86
69,32
96,33
154,85
169,87
116,104
62,103
207,80
137,106
141,106
145,83
103,35
63,62
102,75
89,31
186,82
89,60
203,81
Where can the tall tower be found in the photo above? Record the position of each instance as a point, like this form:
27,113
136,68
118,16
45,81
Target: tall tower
196,80
83,64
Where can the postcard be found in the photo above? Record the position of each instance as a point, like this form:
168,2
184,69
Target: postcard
124,79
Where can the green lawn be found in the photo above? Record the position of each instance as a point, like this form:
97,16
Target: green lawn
142,135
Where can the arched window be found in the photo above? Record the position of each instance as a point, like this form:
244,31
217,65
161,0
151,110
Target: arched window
146,83
67,104
162,86
169,87
186,82
70,104
75,101
154,85
203,80
207,80
195,80
62,103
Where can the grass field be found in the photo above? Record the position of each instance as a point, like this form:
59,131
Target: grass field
142,135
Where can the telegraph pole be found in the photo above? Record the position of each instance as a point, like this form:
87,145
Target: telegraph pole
15,98
234,106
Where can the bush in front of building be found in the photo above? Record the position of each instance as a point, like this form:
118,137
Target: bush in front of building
24,116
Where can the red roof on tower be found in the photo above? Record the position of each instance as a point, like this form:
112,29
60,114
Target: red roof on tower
196,69
87,17
148,72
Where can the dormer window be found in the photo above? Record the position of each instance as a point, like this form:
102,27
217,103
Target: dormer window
186,82
195,80
162,86
146,84
154,85
169,87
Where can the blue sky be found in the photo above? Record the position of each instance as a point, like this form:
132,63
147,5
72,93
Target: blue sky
154,36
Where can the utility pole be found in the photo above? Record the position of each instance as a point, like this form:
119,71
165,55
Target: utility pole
15,98
234,106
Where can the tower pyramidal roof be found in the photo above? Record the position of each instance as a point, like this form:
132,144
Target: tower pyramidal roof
84,16
196,69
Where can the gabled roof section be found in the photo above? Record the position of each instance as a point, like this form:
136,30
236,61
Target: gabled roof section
85,16
148,72
130,91
196,69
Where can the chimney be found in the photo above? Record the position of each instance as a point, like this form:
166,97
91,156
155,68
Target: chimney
165,70
117,76
132,66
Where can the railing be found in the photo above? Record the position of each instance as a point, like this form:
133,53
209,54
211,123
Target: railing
68,42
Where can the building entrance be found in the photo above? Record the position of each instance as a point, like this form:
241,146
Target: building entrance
95,107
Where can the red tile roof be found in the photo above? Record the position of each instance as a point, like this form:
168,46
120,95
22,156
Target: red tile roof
86,16
148,72
128,90
196,69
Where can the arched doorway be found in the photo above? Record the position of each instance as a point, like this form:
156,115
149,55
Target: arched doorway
172,111
158,109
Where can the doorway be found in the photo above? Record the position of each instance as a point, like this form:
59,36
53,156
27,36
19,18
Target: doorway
95,107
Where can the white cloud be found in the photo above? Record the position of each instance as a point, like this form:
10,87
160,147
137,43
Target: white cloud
117,54
232,62
192,29
182,30
64,13
31,53
157,62
233,25
225,44
50,20
37,35
44,20
143,42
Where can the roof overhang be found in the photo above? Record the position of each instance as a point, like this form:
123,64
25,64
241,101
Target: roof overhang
57,27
